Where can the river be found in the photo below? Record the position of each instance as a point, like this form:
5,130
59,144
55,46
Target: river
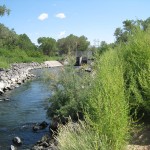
24,106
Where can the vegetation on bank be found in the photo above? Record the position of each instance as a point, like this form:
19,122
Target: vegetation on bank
8,57
114,96
19,48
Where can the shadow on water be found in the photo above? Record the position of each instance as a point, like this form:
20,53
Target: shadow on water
24,107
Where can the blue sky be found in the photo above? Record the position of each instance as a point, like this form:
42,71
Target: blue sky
96,19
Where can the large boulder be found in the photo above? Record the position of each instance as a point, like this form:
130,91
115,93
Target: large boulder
2,85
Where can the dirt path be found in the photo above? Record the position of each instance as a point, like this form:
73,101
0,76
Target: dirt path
141,140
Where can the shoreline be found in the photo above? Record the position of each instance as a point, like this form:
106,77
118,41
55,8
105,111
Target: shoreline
20,72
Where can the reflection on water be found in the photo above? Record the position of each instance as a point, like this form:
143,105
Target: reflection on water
24,107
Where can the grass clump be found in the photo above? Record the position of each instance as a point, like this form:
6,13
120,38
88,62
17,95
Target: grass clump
108,111
77,136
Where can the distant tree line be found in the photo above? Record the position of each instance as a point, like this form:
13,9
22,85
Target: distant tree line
48,46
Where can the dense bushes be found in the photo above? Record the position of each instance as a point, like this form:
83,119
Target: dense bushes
119,89
136,59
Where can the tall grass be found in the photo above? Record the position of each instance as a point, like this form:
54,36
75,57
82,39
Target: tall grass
108,107
77,136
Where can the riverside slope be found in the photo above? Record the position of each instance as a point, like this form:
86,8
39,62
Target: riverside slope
20,72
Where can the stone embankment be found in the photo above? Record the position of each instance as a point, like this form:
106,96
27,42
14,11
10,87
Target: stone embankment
19,73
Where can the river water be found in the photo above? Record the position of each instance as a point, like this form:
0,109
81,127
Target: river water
25,106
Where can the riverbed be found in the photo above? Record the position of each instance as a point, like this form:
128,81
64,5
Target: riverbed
23,107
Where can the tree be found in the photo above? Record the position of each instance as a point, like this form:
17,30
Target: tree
72,43
8,38
48,46
129,28
4,10
121,35
103,47
25,43
146,24
129,25
82,43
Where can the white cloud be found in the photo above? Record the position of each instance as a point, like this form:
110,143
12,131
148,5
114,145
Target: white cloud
43,16
61,15
62,33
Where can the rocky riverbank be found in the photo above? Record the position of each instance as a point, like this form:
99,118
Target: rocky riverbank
19,73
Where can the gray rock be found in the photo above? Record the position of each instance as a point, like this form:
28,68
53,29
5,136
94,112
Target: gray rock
17,141
12,147
17,74
1,91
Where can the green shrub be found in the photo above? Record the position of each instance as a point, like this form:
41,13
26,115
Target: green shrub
3,62
71,91
136,57
108,107
119,87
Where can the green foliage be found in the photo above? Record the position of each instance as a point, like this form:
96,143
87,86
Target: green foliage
77,136
8,57
136,56
4,62
47,45
103,47
129,26
102,102
8,38
70,96
4,10
25,43
119,88
72,43
82,43
108,107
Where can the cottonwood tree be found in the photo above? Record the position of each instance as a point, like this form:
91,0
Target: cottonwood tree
72,43
48,46
8,38
25,43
